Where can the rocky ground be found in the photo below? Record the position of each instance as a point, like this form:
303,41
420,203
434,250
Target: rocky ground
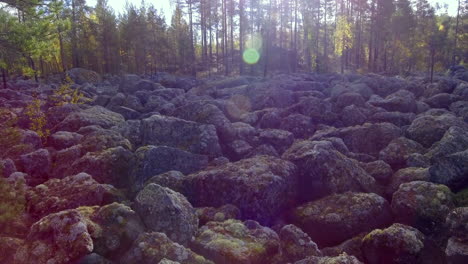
299,168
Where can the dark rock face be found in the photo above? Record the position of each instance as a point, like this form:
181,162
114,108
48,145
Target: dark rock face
451,170
402,101
325,170
261,187
179,133
368,138
152,160
335,218
233,242
164,210
428,129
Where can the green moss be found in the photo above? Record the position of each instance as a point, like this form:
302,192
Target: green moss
461,198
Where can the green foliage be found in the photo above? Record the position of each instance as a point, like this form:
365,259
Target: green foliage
67,95
37,118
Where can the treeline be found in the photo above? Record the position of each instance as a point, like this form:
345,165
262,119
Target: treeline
39,37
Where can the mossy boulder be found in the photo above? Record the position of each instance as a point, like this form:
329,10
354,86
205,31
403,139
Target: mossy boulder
261,187
340,259
150,248
96,115
396,244
423,205
155,160
335,218
427,129
68,193
406,175
323,170
82,76
296,245
220,214
164,210
234,242
111,166
398,151
59,238
451,170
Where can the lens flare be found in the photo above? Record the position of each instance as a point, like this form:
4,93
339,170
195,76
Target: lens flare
251,56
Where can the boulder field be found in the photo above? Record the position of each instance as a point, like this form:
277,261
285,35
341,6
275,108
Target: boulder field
297,168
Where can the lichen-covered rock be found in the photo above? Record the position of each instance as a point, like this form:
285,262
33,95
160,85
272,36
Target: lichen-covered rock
206,113
164,210
59,238
300,125
398,151
428,129
323,170
401,101
442,100
82,76
296,245
115,227
96,115
396,118
150,248
350,98
234,242
112,166
368,138
62,159
94,258
351,247
353,115
238,149
173,180
261,187
423,205
103,139
70,192
279,139
7,167
406,175
395,244
335,218
36,164
154,160
457,223
221,214
454,140
64,139
378,169
8,248
451,170
456,251
341,259
178,133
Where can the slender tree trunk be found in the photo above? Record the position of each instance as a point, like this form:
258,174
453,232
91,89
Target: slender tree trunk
76,61
325,41
295,37
4,77
231,22
192,44
241,36
456,33
267,44
432,64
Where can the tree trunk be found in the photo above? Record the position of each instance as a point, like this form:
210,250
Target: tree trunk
432,64
4,77
241,36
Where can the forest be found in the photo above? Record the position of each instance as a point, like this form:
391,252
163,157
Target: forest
230,37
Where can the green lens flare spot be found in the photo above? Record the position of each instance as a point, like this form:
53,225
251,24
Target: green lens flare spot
251,56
